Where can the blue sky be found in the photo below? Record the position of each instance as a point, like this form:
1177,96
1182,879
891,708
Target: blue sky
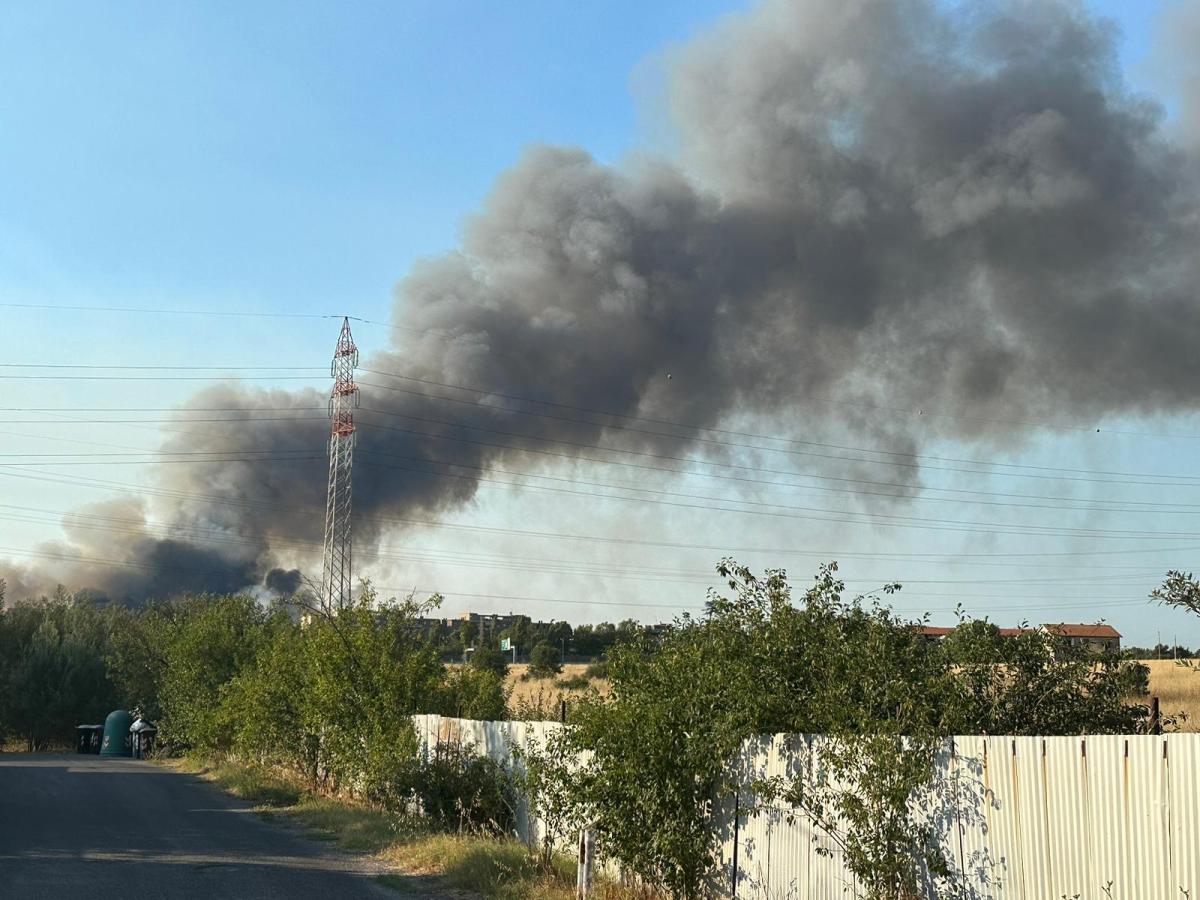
298,157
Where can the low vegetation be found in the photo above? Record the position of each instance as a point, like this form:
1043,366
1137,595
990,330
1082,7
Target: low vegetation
657,751
425,858
309,715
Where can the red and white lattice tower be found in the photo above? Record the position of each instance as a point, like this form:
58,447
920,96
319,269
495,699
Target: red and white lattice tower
336,587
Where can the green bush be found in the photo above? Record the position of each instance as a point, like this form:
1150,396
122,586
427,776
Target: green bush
490,659
657,752
458,790
545,661
573,683
598,669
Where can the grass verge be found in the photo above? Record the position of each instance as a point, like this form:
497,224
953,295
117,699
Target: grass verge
421,860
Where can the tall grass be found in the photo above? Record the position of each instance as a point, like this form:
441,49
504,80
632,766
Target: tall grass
1178,690
422,860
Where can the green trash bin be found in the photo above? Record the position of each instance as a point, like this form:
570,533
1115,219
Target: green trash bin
116,740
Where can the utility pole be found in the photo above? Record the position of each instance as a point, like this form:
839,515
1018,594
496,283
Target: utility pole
336,574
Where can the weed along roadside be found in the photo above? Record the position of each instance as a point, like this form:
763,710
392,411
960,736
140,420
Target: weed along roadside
423,860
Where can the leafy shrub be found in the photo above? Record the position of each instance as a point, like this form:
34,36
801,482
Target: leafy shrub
475,693
656,755
458,790
490,659
598,669
573,683
545,661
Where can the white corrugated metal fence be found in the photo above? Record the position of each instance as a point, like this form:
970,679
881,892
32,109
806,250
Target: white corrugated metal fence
1106,817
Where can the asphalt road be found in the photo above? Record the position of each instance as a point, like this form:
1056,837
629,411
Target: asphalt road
81,826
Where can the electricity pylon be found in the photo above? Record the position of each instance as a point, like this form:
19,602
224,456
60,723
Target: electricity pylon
336,586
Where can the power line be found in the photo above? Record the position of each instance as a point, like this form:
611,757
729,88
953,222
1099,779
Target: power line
833,401
111,524
942,558
170,311
316,369
104,561
1146,504
673,471
881,519
794,452
924,411
920,492
158,378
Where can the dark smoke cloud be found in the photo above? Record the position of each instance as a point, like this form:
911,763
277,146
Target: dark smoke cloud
284,582
878,201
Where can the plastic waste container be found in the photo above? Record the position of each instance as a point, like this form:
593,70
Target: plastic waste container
117,740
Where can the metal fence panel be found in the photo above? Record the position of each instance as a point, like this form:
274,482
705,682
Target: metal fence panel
1183,775
1064,811
1029,818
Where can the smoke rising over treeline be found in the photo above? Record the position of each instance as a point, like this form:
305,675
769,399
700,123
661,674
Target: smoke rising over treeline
886,202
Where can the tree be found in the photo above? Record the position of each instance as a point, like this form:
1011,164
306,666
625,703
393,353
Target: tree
55,677
490,659
1179,589
206,642
659,751
521,634
468,632
545,661
368,672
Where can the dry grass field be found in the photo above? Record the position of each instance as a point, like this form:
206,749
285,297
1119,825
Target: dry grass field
545,694
1178,690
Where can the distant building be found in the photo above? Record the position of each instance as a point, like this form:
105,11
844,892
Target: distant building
1101,638
935,632
1013,632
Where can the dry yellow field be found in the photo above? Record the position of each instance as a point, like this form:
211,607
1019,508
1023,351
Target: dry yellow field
543,694
1178,690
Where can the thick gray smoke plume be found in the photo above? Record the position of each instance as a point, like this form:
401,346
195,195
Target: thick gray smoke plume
877,201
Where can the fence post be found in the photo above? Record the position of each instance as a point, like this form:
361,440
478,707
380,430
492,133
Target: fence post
583,878
737,813
562,710
1155,717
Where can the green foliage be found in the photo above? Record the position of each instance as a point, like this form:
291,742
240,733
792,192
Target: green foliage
366,673
205,643
659,750
1036,683
52,671
268,708
459,790
474,693
1179,589
490,659
597,669
549,786
334,699
573,683
330,699
545,661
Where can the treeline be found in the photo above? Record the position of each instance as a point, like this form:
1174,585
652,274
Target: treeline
454,638
329,696
1162,651
646,766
